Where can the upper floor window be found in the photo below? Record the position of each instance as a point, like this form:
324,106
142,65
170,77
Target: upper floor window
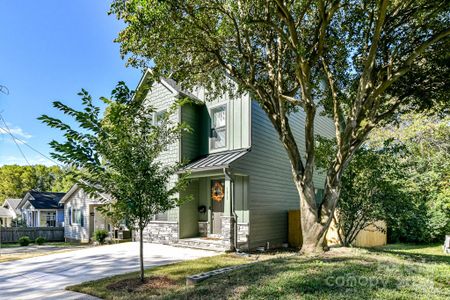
218,127
159,117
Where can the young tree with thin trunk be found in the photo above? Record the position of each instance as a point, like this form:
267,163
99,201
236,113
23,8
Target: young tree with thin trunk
118,155
361,62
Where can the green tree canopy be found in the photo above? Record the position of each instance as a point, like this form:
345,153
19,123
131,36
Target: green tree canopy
361,62
16,180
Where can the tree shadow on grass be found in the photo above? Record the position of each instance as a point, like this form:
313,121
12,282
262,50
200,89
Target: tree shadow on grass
418,257
330,278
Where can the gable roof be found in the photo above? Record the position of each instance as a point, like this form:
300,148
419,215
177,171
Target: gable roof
146,82
101,197
42,200
13,203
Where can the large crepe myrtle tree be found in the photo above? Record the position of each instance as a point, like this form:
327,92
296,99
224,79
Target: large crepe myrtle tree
360,62
115,155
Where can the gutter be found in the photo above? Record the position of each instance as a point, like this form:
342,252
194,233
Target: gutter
227,174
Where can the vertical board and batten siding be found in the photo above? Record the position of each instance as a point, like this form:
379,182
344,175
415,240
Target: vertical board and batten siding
272,192
78,200
161,98
194,143
189,211
237,116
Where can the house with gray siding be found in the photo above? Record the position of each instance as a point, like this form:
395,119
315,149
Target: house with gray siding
81,217
241,183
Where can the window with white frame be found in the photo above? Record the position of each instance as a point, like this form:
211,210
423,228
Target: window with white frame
51,219
77,216
159,117
218,127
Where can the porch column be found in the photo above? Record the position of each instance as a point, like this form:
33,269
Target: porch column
38,218
228,218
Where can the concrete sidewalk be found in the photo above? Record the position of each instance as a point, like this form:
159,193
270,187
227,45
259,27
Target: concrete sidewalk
45,277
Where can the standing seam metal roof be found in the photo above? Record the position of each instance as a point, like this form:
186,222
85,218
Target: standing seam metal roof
215,160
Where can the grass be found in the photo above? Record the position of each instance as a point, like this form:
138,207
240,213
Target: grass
10,256
392,272
52,244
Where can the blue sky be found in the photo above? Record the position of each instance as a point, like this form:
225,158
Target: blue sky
49,50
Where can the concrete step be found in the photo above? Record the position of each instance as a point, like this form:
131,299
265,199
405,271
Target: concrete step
202,244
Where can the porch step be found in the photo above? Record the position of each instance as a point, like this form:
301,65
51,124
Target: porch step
205,244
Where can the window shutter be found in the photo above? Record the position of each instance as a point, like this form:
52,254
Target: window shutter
82,218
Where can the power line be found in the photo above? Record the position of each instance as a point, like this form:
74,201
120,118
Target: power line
14,140
26,144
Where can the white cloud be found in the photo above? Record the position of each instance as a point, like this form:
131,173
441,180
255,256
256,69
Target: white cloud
16,131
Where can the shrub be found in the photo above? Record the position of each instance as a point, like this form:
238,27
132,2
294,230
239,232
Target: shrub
24,241
100,235
40,240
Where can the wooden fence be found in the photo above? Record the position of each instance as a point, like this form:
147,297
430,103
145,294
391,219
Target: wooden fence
369,237
12,234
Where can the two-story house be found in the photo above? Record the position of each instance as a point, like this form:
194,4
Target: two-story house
241,179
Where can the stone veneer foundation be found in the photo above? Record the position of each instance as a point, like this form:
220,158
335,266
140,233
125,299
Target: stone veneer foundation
162,232
165,232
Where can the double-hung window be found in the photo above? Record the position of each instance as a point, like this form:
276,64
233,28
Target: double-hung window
77,216
218,127
51,219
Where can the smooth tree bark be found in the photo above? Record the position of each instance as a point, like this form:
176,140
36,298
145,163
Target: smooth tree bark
355,61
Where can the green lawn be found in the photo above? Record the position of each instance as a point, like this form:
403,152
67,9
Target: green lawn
391,272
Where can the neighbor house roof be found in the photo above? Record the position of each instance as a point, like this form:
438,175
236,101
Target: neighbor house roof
4,212
215,160
42,200
13,203
102,197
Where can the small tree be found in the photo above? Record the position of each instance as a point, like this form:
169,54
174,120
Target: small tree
117,155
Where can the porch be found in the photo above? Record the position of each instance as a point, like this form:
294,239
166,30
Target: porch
44,217
215,215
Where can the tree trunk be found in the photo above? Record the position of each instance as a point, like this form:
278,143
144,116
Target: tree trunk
141,252
316,218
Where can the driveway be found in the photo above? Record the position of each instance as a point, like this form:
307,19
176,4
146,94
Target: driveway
45,277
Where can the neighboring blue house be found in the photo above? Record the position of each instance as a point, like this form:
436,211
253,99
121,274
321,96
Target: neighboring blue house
42,209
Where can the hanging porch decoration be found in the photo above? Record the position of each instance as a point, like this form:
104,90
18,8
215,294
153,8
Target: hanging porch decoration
217,191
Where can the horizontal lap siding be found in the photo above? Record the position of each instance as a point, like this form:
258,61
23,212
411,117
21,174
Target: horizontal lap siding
161,98
272,192
78,200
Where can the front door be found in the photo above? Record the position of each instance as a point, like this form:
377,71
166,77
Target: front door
217,199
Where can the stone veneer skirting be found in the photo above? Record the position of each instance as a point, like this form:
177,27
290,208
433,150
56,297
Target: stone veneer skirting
203,228
161,232
242,232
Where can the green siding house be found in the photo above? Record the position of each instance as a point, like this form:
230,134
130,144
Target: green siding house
242,187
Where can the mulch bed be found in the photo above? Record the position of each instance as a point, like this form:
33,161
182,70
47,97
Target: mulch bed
135,285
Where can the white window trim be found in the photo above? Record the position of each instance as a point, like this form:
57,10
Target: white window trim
211,110
73,216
